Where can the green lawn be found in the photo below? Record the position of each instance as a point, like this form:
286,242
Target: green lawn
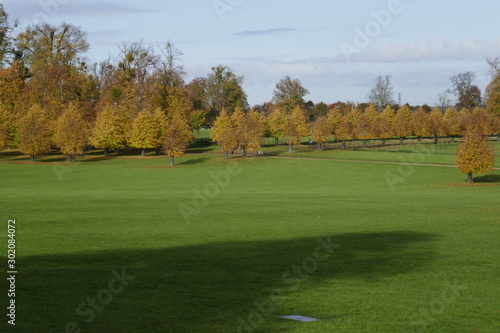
417,254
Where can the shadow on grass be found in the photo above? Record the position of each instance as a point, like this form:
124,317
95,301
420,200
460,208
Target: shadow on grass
195,161
202,288
487,179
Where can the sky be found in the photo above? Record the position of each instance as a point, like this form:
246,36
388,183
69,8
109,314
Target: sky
335,48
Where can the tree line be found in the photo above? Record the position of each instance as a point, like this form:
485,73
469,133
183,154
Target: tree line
52,96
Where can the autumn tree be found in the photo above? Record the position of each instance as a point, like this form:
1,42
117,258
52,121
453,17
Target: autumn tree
403,123
250,129
147,130
110,130
493,89
177,136
383,92
4,127
451,123
420,124
34,133
224,132
436,124
321,130
475,155
385,124
289,94
276,124
71,132
296,127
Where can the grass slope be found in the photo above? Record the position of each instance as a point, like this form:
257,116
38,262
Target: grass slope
421,254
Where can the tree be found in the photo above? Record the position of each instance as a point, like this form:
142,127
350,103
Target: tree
295,127
383,92
289,94
147,130
198,119
321,130
403,123
386,123
44,44
225,132
444,101
475,155
110,130
224,91
5,40
177,137
276,123
320,109
436,124
421,124
34,133
250,129
493,89
71,132
451,123
468,95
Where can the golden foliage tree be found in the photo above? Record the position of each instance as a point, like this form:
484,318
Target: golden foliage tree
386,124
250,129
177,136
436,124
420,124
110,130
296,127
403,123
321,130
451,123
71,132
276,123
34,132
5,121
224,132
475,155
147,130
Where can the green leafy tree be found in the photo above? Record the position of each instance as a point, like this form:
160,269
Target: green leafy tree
289,94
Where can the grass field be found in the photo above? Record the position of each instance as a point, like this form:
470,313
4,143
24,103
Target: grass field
126,244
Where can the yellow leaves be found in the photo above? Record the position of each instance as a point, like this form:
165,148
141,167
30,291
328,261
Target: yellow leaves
321,130
177,136
296,126
475,155
34,132
71,132
110,130
147,129
224,131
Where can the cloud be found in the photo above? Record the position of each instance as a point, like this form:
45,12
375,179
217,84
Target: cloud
31,11
438,49
263,32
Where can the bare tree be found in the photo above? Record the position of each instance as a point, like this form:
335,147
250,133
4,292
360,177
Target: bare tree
383,92
444,101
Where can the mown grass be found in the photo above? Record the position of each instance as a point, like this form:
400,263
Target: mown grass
420,254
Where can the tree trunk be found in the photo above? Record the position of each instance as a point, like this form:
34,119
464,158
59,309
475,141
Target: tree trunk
470,180
290,148
277,140
106,152
452,139
365,144
143,152
320,148
401,141
226,155
343,145
419,140
158,151
32,158
436,139
172,160
383,142
69,158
